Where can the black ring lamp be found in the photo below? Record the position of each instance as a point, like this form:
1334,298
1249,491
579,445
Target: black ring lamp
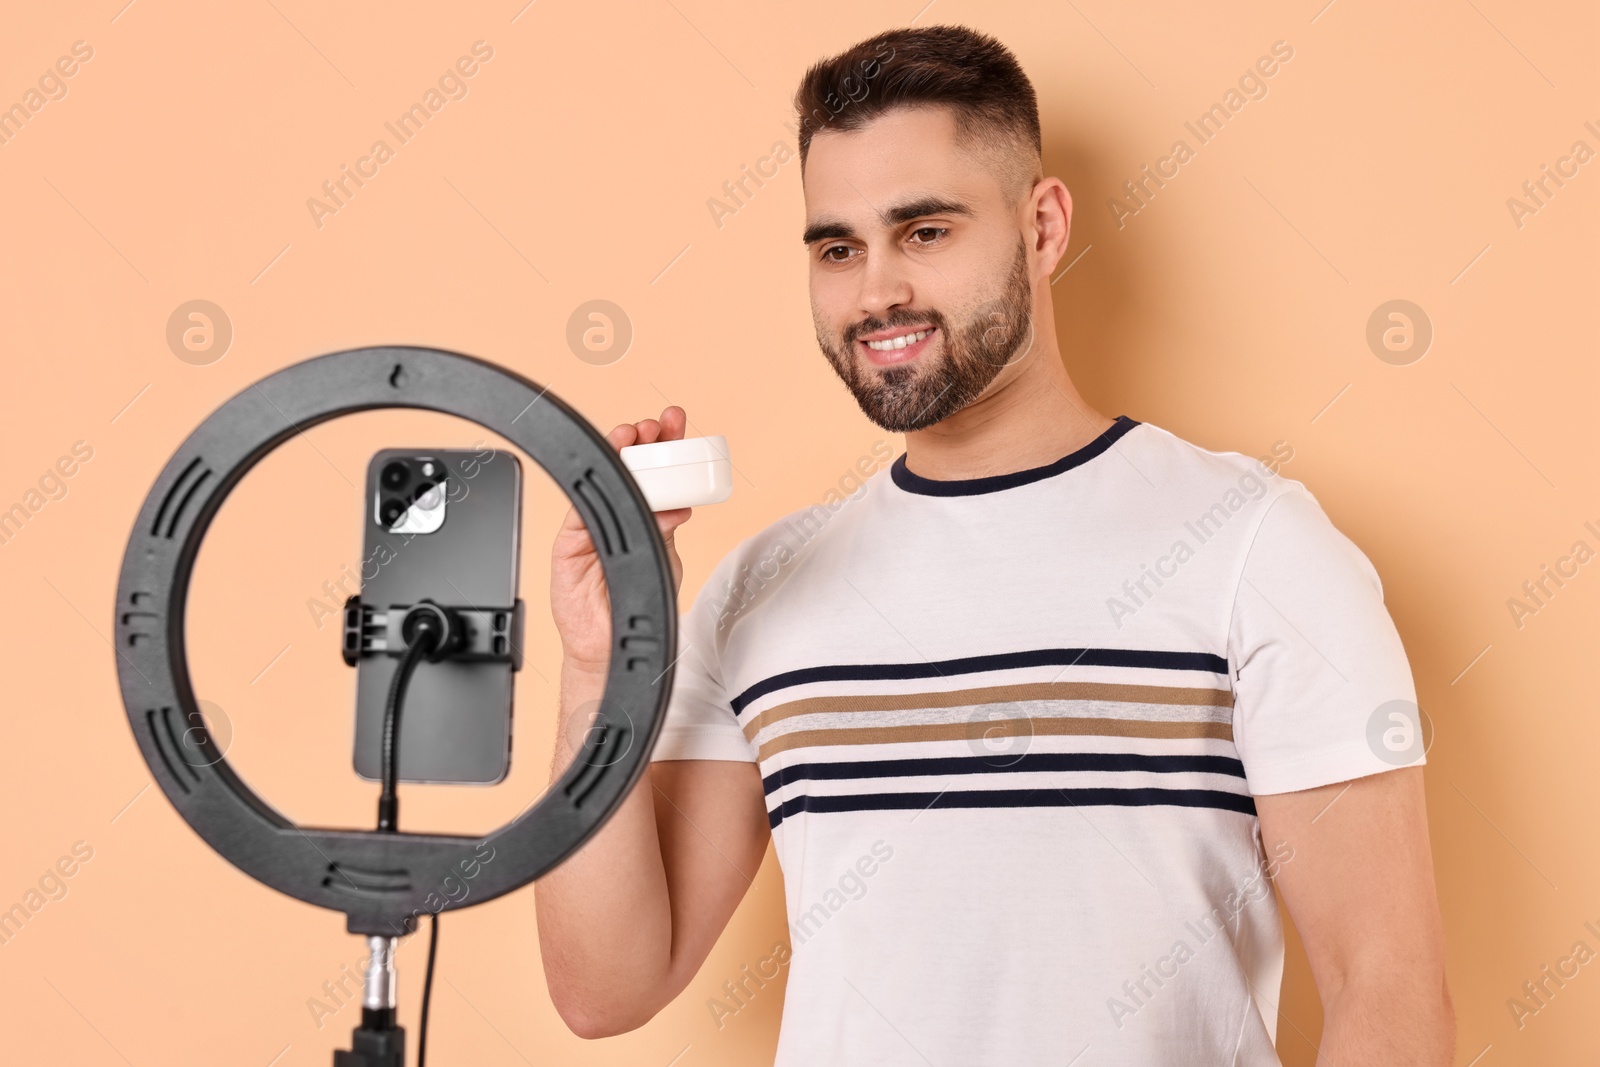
383,881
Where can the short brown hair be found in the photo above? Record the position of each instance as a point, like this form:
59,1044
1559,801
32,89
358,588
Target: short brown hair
992,101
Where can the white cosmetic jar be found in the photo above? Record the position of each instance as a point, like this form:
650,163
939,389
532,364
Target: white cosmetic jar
681,474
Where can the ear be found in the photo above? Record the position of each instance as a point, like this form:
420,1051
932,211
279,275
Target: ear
1050,216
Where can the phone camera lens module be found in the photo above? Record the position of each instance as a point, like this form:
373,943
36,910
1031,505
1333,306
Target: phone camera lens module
391,511
395,476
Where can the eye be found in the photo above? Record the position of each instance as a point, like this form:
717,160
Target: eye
940,230
827,255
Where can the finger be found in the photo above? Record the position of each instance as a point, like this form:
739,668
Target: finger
622,435
674,422
649,431
573,520
668,521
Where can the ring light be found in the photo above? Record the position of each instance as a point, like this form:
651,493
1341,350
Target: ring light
384,880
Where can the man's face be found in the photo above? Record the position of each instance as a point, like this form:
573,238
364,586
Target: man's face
909,233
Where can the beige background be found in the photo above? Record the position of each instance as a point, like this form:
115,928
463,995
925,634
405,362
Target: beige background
1231,309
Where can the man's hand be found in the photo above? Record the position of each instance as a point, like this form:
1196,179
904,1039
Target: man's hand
1360,890
579,603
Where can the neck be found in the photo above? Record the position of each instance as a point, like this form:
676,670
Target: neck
1030,415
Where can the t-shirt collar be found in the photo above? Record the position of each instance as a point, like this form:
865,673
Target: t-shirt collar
916,483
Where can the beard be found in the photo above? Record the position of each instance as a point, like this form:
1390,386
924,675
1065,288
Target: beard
910,396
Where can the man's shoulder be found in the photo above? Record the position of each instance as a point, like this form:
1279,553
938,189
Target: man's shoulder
1281,524
1181,467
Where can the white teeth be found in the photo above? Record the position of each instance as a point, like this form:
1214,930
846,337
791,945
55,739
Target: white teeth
899,342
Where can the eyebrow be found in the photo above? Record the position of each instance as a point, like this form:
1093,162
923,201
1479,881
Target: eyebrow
896,215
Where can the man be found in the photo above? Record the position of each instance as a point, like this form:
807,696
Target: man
1037,718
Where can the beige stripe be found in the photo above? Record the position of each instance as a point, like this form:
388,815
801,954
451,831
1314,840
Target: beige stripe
994,694
989,728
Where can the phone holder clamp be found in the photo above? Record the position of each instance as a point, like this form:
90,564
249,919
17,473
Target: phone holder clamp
472,634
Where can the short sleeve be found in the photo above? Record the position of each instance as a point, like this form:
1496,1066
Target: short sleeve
1322,689
699,722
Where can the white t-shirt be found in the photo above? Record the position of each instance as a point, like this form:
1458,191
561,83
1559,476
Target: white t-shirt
1010,729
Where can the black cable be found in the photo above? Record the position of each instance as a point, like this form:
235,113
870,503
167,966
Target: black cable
427,990
422,643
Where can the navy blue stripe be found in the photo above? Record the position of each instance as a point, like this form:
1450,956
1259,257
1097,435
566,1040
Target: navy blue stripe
1031,761
1036,657
916,483
1015,798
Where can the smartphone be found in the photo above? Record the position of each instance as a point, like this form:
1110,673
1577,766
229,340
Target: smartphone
441,525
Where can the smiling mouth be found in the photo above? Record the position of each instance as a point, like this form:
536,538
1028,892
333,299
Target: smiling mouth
900,349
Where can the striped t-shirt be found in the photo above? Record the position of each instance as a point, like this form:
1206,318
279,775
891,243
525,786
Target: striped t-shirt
1009,730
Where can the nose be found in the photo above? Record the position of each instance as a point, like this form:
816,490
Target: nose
885,285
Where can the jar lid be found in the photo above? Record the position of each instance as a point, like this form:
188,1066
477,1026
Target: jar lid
674,453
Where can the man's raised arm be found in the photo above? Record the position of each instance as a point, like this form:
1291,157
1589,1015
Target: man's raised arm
626,921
